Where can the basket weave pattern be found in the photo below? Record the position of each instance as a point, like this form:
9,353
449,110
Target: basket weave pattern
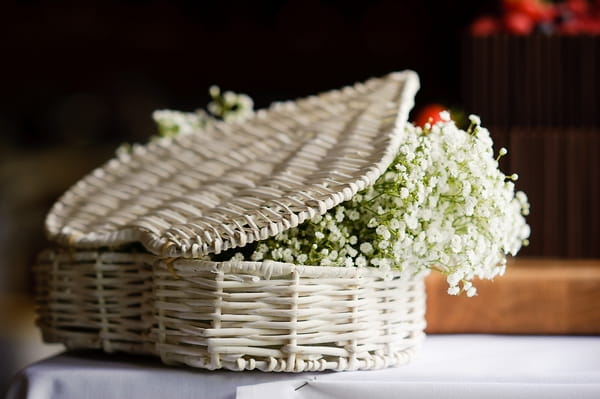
93,300
236,183
268,316
280,317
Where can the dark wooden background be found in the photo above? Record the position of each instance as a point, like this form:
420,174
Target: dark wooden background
540,95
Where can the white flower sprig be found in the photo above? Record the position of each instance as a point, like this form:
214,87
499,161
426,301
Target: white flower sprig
230,106
443,204
227,106
173,123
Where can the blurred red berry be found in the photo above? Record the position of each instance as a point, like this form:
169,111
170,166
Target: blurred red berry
578,7
534,9
518,23
571,27
429,114
484,26
549,12
510,5
589,25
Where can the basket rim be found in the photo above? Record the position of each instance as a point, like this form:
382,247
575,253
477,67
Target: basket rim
268,268
264,269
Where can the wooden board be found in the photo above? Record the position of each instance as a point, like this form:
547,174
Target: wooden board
535,296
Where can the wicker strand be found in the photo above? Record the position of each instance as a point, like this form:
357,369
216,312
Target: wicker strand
106,344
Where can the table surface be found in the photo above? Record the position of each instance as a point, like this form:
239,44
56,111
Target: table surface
450,366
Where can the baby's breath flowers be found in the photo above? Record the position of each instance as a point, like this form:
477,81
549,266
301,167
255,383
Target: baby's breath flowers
228,106
173,123
443,204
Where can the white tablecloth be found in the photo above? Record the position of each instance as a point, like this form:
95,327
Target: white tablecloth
449,366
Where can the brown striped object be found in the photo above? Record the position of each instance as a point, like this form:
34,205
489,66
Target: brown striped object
540,96
533,81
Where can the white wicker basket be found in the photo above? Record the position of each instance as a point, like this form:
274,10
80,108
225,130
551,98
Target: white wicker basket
268,316
223,188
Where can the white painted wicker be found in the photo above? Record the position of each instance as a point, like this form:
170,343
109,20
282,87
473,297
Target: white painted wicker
90,300
274,316
268,316
221,188
236,183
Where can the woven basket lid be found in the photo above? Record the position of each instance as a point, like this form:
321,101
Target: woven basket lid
235,183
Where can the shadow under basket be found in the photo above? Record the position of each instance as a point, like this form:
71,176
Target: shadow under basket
268,316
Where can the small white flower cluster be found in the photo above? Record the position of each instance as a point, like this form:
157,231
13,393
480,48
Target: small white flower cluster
230,106
172,123
443,204
227,106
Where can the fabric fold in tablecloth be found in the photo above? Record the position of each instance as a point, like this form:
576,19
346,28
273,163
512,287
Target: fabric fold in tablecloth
293,389
449,366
